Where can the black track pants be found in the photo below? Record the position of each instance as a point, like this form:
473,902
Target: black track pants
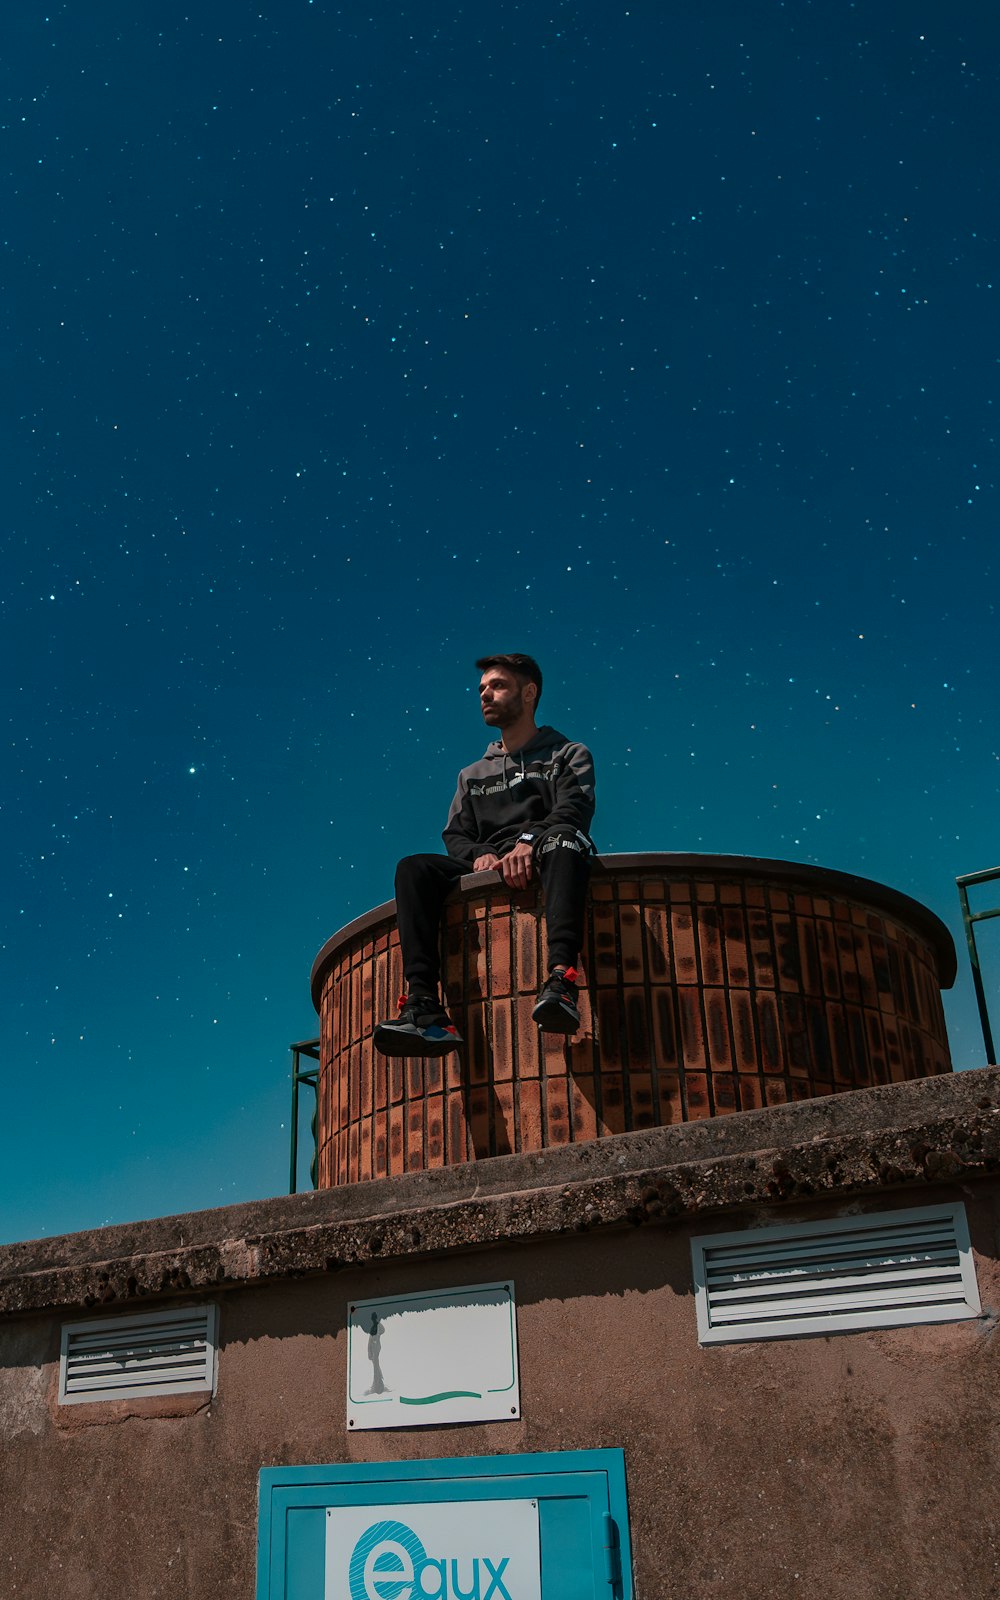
423,884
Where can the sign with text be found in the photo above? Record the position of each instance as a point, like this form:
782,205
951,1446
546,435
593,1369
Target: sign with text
444,1550
446,1356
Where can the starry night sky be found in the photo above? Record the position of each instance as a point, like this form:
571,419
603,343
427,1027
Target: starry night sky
341,348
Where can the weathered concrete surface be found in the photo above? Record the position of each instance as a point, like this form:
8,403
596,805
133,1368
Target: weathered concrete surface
929,1131
856,1467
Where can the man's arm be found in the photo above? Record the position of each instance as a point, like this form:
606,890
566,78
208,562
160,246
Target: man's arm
574,800
573,808
459,834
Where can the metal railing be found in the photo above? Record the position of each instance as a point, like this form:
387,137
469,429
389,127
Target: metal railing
970,918
310,1049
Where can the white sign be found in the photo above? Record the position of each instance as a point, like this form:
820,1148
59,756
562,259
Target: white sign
444,1550
447,1356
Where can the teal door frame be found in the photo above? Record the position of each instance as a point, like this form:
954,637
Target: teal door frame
583,1513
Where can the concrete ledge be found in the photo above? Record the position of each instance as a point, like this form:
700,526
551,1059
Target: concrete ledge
931,1131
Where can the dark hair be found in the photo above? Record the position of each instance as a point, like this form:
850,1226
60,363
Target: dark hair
524,668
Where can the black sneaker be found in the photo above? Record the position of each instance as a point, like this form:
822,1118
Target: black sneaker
557,1010
423,1028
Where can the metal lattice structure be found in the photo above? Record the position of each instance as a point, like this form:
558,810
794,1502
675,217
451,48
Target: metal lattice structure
970,918
310,1049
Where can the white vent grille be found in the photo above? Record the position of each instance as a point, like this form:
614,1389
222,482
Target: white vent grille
885,1270
124,1358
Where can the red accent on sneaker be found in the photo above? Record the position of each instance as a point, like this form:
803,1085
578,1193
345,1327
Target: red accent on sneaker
571,974
400,1003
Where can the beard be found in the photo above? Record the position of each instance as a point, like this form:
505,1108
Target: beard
504,716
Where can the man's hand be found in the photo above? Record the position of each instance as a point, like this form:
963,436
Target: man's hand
517,866
487,863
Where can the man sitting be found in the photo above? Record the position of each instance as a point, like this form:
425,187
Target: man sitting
524,808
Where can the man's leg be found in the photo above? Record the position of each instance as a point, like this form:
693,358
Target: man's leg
423,1027
563,862
423,884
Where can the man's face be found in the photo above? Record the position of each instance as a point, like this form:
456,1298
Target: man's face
501,698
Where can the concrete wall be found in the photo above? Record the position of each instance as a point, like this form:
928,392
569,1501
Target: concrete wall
845,1467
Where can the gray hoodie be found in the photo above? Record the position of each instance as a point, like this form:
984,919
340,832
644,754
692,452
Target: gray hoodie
547,784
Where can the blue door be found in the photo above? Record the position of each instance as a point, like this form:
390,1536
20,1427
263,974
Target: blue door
574,1500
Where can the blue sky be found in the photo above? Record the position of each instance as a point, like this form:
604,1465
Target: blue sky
343,349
